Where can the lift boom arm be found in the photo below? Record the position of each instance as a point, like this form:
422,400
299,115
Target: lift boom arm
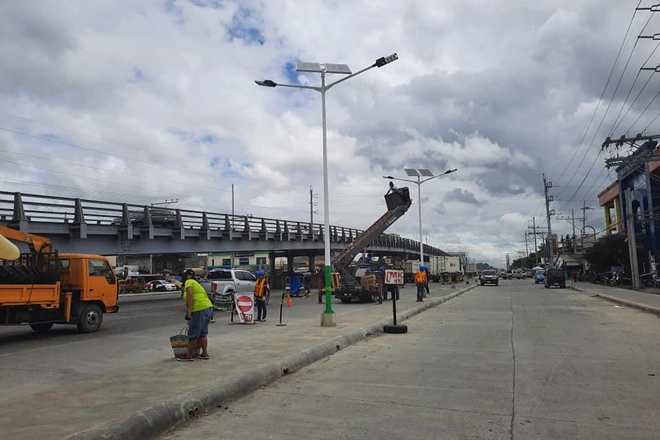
36,243
398,203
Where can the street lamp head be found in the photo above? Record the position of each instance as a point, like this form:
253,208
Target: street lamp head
266,83
380,62
450,171
388,177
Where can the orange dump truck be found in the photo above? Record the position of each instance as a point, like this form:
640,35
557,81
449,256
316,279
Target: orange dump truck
43,287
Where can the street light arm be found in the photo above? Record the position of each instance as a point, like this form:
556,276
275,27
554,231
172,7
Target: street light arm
439,175
398,178
270,83
349,76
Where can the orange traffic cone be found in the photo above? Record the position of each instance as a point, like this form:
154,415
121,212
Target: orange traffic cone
289,303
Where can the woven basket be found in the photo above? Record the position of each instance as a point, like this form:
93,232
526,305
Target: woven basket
179,344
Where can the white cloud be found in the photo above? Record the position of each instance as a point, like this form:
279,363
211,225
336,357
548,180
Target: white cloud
155,99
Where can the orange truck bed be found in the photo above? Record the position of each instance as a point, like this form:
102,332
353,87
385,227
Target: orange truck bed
45,295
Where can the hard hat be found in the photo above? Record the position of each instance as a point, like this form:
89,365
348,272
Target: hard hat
188,272
259,273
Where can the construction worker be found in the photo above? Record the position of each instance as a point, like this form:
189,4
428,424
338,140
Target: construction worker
420,282
259,296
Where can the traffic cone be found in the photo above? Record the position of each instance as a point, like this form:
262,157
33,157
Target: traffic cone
289,302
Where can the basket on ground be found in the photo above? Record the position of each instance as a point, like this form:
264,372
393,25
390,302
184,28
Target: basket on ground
179,345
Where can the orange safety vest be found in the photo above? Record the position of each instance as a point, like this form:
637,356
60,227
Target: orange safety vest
260,288
420,277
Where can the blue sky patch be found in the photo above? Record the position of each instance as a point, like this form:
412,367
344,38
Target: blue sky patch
243,28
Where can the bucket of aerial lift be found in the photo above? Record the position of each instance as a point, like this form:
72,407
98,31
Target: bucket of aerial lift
397,197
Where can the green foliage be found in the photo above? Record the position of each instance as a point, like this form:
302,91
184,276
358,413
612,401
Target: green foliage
611,250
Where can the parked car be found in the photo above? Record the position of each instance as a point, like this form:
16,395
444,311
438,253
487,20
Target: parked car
489,276
161,286
539,276
555,277
224,282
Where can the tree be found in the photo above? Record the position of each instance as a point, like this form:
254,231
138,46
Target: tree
608,251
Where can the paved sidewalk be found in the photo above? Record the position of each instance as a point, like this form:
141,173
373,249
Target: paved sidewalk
143,402
648,302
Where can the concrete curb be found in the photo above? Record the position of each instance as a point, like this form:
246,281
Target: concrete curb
635,305
157,419
171,293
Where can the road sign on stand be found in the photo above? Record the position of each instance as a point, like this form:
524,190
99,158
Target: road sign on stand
394,276
245,308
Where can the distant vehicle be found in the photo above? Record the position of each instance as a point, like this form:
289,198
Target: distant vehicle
159,217
539,277
489,276
161,286
555,277
517,273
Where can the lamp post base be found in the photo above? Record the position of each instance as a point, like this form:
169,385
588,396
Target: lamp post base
328,320
395,328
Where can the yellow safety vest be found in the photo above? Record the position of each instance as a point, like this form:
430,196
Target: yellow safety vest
260,288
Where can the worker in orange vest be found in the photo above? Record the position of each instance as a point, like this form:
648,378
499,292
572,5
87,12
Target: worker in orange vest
259,296
420,281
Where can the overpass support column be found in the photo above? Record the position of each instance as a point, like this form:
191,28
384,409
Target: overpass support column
289,262
310,262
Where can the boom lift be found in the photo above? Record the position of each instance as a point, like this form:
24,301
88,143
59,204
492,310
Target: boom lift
44,287
398,201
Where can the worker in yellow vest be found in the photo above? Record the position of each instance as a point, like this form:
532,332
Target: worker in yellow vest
260,296
420,281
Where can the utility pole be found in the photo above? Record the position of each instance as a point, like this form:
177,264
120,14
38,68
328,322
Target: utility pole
548,212
584,223
312,204
573,223
632,242
535,232
526,246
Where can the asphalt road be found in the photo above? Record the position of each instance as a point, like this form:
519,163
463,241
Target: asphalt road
137,335
515,361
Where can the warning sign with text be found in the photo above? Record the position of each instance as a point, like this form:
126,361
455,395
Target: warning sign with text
394,276
245,308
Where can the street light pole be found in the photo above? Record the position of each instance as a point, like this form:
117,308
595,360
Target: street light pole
419,182
419,208
327,318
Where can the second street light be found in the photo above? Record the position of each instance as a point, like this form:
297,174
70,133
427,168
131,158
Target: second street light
419,173
328,317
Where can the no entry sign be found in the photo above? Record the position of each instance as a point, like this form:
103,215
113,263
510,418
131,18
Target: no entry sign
245,308
394,276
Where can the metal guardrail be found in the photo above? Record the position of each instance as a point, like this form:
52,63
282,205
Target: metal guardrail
18,210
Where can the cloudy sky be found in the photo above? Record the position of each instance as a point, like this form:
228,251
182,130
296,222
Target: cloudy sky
150,100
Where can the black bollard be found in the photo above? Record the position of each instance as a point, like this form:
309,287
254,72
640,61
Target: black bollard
281,307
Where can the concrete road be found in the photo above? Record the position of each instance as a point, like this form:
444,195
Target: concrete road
138,335
511,362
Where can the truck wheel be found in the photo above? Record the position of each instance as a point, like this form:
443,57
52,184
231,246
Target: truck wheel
346,300
41,327
90,319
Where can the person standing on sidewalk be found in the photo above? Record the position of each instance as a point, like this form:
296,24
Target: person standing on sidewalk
259,296
199,310
420,282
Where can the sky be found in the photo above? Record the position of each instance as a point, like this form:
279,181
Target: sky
147,101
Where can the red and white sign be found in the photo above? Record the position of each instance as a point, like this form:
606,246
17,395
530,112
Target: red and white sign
394,276
245,307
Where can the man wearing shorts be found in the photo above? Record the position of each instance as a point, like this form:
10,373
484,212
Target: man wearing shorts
199,312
